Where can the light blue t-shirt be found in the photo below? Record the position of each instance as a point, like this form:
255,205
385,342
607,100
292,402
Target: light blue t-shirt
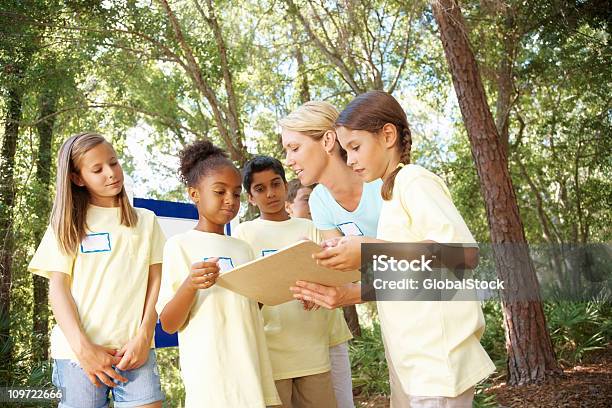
327,214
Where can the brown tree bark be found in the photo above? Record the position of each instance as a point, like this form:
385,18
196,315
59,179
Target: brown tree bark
40,313
233,116
531,356
352,320
302,76
505,81
7,199
302,72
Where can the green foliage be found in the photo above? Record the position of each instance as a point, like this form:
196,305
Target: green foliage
482,400
368,363
170,375
20,372
493,339
578,327
120,70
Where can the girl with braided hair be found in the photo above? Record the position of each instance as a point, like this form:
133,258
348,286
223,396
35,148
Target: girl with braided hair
432,347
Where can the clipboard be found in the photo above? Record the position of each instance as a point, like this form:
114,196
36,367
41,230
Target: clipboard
267,279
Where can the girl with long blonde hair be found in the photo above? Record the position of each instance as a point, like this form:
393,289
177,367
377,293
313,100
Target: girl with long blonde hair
103,259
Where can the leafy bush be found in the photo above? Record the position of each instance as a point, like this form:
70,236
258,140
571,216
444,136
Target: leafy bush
494,338
575,329
482,400
578,327
368,363
170,376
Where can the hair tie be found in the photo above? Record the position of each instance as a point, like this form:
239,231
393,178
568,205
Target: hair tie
399,166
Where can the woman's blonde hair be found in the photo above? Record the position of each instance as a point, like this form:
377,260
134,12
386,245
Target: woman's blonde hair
313,119
69,213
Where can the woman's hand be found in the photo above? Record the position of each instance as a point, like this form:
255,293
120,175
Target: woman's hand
97,362
343,254
309,305
329,297
135,352
204,274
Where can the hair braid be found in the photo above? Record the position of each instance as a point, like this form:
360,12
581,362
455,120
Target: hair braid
406,145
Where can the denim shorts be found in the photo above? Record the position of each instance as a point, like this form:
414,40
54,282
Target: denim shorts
142,388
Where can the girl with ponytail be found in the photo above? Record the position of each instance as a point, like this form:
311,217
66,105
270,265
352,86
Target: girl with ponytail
223,352
433,347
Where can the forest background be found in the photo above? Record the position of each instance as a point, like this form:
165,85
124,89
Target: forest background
152,76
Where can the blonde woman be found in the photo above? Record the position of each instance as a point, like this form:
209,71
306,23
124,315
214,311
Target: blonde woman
340,205
103,259
432,347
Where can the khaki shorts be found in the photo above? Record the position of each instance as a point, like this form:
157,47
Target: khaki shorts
311,391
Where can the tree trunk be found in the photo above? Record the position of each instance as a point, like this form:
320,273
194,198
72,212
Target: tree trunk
7,198
505,82
233,115
531,356
352,320
40,313
302,74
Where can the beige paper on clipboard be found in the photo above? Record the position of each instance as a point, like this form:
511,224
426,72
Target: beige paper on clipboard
267,280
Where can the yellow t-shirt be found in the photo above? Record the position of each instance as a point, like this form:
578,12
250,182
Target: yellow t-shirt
109,275
339,331
298,340
222,347
433,346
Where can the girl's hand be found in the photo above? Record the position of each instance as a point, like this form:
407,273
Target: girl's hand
204,274
329,297
343,254
332,242
97,362
134,353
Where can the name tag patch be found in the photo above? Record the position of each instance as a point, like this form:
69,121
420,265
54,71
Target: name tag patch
350,229
98,242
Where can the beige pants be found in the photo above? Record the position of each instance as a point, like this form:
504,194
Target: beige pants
399,399
311,391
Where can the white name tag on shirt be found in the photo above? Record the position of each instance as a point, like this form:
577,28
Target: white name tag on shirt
98,242
265,252
350,228
225,263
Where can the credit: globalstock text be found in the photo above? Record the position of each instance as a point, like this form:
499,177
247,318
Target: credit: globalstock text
385,263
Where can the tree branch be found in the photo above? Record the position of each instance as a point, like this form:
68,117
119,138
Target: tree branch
194,71
333,57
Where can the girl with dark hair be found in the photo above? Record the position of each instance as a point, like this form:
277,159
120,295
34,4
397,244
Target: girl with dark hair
223,354
433,348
